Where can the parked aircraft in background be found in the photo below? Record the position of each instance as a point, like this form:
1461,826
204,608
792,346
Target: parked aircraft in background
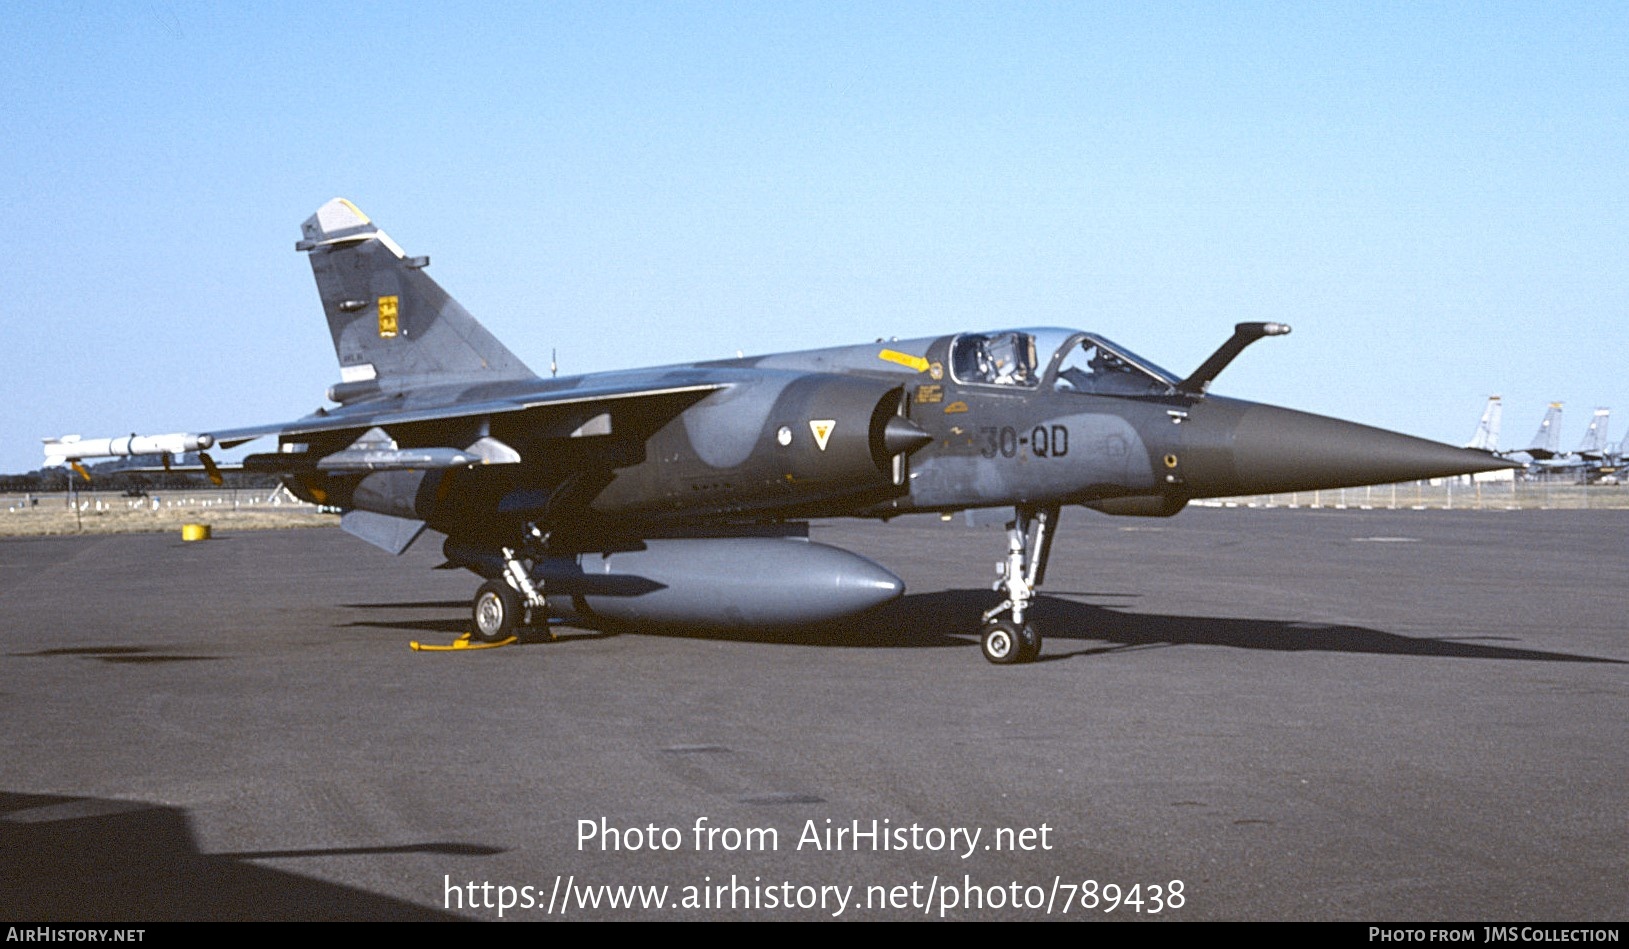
1594,459
1547,440
1601,461
1594,446
1487,430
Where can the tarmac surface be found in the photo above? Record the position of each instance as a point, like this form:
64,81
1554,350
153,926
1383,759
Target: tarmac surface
1239,714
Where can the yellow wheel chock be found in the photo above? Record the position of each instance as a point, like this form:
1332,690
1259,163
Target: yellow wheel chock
461,643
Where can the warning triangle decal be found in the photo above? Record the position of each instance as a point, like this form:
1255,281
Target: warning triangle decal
822,430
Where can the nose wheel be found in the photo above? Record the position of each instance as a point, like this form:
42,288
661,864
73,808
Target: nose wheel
1010,639
1006,643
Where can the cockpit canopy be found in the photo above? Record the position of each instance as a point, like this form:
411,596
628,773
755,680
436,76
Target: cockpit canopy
1067,360
1006,358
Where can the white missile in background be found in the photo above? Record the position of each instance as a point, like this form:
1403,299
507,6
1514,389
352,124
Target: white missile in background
60,451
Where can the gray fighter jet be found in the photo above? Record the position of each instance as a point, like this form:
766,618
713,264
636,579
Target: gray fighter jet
681,494
1592,461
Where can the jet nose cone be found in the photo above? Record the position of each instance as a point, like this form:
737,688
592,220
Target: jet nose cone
1271,449
903,435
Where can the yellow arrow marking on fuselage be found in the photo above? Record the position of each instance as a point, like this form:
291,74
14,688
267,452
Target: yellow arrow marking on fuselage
904,359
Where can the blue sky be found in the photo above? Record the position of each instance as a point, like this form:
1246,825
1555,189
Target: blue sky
1433,195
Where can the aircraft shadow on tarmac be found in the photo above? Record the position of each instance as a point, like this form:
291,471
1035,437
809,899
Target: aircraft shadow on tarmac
1065,620
118,654
939,620
97,859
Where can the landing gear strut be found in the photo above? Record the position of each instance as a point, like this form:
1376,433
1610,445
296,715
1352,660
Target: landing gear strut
1013,640
504,605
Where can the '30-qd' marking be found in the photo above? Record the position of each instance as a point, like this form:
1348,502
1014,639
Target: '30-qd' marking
1044,441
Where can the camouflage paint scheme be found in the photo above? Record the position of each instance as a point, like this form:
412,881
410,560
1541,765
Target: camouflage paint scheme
678,494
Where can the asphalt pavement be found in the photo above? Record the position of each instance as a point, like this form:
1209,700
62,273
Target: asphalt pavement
1238,714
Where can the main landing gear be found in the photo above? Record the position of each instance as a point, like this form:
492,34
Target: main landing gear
505,605
1013,640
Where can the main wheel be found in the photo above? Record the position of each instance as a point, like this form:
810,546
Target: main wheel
497,613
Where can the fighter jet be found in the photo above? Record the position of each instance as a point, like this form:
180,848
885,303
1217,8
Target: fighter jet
681,495
1591,461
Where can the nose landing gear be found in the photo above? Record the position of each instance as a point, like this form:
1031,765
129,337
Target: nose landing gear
1012,640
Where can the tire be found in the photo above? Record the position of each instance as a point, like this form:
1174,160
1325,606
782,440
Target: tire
1029,643
497,613
1002,643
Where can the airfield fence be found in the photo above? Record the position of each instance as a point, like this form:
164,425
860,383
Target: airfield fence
63,512
1446,494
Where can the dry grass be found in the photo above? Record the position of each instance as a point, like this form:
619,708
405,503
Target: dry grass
97,513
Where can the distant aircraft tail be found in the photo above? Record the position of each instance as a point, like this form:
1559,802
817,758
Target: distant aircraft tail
1594,443
1487,431
394,328
1547,440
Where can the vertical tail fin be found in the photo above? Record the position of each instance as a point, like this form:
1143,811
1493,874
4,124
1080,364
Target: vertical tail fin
1594,442
393,327
1547,440
1487,431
